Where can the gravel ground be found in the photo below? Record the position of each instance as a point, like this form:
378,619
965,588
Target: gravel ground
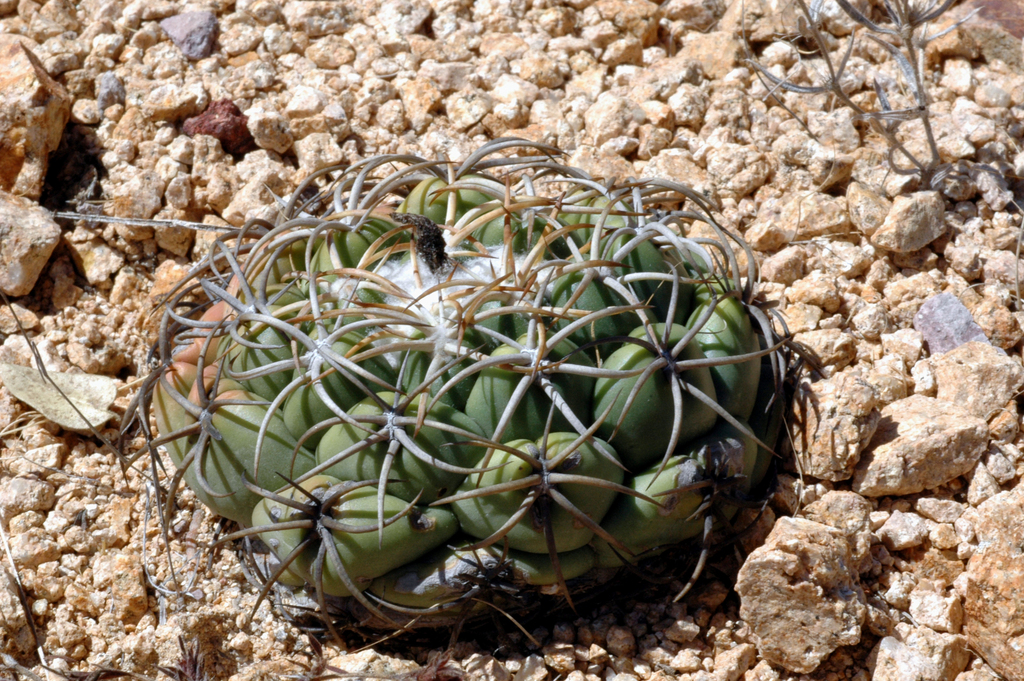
892,546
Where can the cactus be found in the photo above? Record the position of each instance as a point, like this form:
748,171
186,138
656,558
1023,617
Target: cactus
461,383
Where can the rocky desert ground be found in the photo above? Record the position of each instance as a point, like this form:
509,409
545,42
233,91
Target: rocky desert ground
892,546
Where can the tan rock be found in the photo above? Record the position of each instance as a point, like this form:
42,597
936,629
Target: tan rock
12,614
816,289
832,347
832,423
638,18
850,514
994,609
34,108
95,259
800,596
977,377
678,165
760,20
600,164
1000,521
318,18
867,208
27,238
913,222
717,51
421,98
921,443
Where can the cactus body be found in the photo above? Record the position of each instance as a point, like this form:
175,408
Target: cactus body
458,384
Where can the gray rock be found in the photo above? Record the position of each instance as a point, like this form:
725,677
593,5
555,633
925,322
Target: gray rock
921,443
109,90
946,324
193,33
800,596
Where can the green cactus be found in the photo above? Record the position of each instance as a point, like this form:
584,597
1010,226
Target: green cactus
461,382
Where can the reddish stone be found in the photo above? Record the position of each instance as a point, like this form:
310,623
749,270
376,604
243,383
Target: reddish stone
223,120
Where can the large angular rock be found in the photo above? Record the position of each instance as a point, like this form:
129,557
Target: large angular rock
1000,521
978,377
27,238
833,422
918,654
800,595
994,609
34,108
921,443
913,222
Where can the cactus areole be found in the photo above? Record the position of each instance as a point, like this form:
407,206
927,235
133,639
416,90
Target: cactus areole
437,390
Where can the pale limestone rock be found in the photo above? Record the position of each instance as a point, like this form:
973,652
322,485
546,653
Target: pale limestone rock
903,531
816,289
978,377
982,486
1000,521
171,102
18,495
732,664
421,97
937,611
34,108
689,103
760,20
737,169
939,510
33,548
832,424
318,18
906,343
611,116
918,654
799,594
920,443
13,624
27,238
254,196
317,151
466,108
678,165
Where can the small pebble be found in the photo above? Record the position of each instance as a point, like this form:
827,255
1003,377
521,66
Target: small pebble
193,33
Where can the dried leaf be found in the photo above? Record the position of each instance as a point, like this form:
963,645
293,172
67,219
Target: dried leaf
91,395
